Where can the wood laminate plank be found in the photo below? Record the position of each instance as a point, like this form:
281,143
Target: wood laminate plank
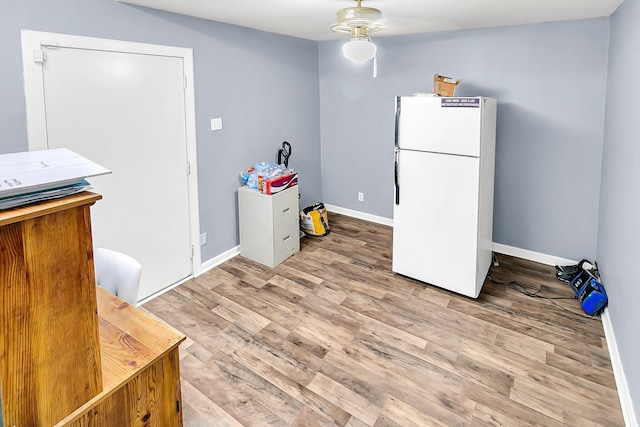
399,413
346,398
332,337
201,411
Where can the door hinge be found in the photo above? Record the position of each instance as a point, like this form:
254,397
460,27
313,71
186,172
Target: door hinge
185,81
188,168
192,251
177,406
39,56
50,44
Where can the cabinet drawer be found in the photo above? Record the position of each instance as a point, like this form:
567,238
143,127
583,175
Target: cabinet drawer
286,242
285,207
285,237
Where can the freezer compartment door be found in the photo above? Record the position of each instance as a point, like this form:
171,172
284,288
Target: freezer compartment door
435,223
438,125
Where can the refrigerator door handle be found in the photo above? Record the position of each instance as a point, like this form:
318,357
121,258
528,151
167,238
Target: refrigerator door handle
395,173
397,118
397,153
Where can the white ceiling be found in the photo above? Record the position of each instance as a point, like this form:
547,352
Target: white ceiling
310,19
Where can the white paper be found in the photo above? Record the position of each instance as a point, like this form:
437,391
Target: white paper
33,171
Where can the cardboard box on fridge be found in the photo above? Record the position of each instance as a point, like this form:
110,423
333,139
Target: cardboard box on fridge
444,86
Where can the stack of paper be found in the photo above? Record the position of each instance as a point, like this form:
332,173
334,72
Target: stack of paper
41,175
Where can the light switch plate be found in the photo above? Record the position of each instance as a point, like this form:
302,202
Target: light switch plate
216,124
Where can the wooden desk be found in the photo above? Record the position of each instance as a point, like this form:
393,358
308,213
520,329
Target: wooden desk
140,370
71,353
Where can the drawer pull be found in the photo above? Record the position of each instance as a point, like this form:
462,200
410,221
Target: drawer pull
286,238
284,211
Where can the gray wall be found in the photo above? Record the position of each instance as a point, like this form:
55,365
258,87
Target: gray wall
619,225
550,82
264,86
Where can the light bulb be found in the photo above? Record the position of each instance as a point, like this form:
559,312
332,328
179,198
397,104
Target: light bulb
359,49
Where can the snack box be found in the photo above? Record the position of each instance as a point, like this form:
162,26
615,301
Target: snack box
279,183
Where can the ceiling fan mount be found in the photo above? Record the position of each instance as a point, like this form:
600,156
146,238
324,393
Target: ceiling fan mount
359,22
365,20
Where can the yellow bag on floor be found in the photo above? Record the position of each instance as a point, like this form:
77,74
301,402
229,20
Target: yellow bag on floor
314,220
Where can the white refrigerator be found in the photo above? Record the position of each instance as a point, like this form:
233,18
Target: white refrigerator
443,208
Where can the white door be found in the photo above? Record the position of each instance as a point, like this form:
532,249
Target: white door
125,111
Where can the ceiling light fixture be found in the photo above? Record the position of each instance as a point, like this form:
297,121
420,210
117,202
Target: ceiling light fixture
359,22
360,48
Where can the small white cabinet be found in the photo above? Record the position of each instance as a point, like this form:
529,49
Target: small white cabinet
269,225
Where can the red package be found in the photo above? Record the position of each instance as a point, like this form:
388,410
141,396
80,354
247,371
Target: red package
279,183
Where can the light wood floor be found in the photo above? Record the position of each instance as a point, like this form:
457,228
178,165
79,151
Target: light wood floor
332,337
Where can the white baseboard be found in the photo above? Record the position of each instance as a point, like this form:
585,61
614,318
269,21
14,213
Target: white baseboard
167,289
626,401
531,255
217,260
360,215
204,267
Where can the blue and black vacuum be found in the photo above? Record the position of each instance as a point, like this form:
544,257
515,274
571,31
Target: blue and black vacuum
584,280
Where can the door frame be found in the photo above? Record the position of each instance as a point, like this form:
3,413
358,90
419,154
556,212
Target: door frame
32,44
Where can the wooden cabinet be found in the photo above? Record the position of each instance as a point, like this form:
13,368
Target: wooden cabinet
61,347
49,340
269,225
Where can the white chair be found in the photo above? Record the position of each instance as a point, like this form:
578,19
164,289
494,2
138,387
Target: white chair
118,274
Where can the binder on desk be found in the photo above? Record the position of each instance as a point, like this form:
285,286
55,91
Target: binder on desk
33,176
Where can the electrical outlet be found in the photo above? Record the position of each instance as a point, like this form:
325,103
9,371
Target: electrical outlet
203,239
361,197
